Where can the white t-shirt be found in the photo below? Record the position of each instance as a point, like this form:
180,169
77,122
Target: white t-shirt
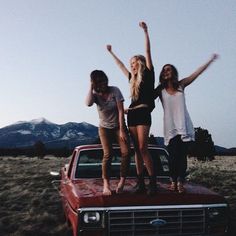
176,117
107,109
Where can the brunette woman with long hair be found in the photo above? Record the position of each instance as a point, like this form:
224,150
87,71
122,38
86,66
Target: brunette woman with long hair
112,128
178,127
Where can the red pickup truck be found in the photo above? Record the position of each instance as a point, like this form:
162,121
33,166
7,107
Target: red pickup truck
198,211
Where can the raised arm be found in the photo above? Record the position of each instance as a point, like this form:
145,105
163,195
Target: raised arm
118,61
90,98
188,80
147,45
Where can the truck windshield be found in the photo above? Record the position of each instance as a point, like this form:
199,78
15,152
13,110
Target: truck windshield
89,164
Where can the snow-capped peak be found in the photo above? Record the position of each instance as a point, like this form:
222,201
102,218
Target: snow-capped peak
85,124
40,120
26,133
34,121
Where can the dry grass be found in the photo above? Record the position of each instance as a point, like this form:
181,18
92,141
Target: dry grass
29,205
220,176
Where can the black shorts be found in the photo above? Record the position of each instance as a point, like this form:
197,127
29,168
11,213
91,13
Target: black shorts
139,116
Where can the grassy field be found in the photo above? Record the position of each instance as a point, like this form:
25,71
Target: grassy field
29,205
220,176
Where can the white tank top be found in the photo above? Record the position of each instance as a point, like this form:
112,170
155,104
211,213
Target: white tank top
176,117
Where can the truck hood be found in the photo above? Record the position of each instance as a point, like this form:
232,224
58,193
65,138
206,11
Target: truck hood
88,193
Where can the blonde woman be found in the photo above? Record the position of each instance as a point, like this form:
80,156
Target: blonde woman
141,79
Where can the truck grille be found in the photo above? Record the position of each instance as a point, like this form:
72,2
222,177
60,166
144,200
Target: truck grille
137,222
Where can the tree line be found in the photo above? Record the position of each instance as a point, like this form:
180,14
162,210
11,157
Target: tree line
38,149
202,148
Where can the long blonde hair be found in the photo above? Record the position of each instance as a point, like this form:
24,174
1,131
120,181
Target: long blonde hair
136,80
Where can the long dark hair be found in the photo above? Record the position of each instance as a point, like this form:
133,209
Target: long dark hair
174,78
164,84
98,76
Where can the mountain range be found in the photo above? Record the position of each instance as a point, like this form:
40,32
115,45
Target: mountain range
27,133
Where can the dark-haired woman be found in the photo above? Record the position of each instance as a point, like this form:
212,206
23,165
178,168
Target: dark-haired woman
141,78
112,126
178,127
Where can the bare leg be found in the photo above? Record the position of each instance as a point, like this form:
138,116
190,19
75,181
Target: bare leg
140,187
143,133
138,157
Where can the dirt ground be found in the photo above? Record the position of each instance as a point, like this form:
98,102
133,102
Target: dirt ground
29,205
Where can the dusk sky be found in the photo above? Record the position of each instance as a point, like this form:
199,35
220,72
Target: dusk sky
49,47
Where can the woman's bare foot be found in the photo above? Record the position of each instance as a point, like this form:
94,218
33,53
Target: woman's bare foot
106,187
106,191
120,185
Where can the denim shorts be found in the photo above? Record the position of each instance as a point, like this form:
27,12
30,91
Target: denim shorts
139,116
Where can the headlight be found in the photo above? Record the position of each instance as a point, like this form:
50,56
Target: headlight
217,220
91,217
217,214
